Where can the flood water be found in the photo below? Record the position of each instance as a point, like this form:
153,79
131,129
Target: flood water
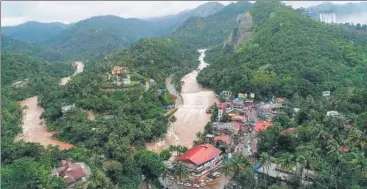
191,115
34,128
79,69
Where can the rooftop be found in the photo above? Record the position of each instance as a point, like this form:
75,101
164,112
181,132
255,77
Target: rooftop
262,125
225,139
200,154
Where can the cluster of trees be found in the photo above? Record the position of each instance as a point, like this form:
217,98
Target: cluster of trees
333,147
293,56
289,52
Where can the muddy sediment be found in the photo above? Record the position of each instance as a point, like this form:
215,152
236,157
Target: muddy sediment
191,116
34,128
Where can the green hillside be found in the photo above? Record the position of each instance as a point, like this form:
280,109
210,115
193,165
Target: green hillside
212,30
96,36
288,53
11,45
35,32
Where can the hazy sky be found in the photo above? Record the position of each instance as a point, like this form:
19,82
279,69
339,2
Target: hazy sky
18,12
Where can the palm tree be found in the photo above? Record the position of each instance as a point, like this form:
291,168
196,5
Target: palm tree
180,171
165,173
286,161
227,169
239,163
265,161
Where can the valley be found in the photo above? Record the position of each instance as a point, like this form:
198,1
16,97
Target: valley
34,128
191,115
224,95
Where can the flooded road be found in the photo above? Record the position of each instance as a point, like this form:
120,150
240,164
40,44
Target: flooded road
34,128
79,69
191,115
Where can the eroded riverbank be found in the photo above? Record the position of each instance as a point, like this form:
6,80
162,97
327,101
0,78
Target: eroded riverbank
191,116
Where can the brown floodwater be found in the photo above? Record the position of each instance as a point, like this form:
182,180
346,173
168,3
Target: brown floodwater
34,128
79,69
191,116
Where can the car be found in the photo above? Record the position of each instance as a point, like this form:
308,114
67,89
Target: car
202,184
210,180
196,185
180,182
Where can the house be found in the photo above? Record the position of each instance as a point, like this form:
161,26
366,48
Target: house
344,148
238,118
226,94
275,171
126,81
201,160
116,70
72,172
279,100
262,125
221,127
223,141
332,114
20,83
66,109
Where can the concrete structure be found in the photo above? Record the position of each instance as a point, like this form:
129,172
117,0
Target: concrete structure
275,171
201,160
72,172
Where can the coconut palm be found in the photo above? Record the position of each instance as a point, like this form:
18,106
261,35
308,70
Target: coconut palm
265,161
227,169
180,171
239,163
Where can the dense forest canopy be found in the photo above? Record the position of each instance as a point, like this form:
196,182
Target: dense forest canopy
125,119
204,32
288,53
293,56
34,32
11,45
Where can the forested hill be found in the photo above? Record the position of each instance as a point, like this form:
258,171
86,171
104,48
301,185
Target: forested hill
126,116
98,35
212,30
155,58
34,31
8,44
167,24
288,53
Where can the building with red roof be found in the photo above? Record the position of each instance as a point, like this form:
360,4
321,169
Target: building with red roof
344,148
72,172
201,159
238,118
226,106
225,138
279,100
262,125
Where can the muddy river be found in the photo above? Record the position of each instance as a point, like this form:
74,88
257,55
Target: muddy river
34,128
191,115
79,67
